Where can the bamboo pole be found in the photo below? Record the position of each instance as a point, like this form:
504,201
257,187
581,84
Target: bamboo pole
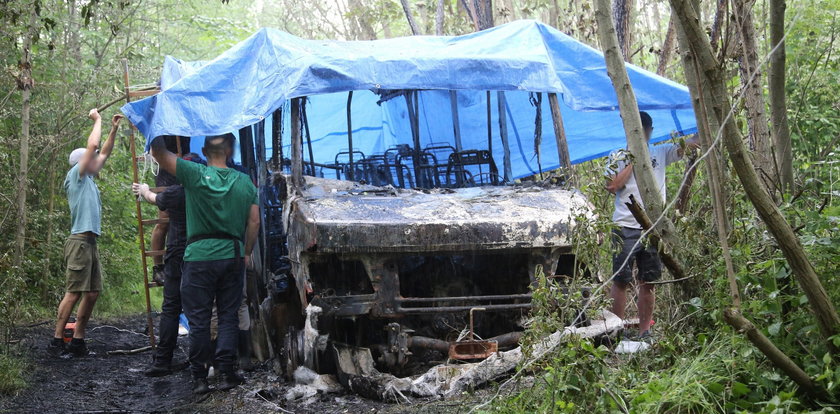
140,231
560,136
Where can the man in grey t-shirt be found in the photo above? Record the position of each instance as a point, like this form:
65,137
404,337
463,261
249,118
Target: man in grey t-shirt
84,278
622,183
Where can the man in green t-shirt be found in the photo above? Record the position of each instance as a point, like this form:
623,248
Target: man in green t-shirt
222,224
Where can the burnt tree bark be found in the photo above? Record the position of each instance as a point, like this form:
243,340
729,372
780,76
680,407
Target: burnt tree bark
636,142
711,74
25,84
759,132
778,99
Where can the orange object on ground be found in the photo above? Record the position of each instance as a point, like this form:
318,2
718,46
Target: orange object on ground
69,330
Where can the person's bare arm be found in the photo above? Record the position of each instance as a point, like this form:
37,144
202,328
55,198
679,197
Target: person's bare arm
97,162
92,144
142,190
618,181
251,232
252,229
167,160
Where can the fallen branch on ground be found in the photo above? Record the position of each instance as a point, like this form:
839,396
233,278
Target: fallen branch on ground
773,353
129,351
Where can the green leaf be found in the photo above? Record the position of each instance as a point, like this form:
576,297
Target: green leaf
773,330
716,388
739,389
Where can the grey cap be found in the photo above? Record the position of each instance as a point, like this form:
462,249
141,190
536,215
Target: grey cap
76,155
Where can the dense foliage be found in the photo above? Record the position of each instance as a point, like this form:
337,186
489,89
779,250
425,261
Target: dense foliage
698,364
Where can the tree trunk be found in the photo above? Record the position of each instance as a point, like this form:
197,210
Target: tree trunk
720,16
410,17
554,14
622,11
712,76
484,9
708,126
759,132
439,18
364,28
778,104
707,130
667,49
636,142
25,84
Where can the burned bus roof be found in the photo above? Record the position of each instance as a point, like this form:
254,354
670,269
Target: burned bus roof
343,217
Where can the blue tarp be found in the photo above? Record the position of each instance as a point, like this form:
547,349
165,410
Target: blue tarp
247,83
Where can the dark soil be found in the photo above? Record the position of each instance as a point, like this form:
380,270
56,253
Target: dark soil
103,383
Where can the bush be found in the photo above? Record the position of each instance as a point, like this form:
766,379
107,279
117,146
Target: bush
12,370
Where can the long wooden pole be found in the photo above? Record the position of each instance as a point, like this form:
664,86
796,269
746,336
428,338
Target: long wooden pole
297,157
489,126
277,140
456,123
350,172
560,135
140,231
308,137
503,132
411,103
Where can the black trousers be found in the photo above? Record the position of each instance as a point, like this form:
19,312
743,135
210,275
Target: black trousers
202,285
170,310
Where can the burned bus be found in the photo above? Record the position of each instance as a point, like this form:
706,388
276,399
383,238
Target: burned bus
411,189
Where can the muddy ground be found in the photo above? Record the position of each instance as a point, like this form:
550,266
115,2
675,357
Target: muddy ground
104,383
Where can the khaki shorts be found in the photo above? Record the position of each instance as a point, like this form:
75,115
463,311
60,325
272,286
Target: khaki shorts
81,258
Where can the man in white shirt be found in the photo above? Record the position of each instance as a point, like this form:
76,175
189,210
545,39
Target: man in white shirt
622,183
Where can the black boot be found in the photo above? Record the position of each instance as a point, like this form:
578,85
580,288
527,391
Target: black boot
229,379
76,348
159,274
56,347
245,350
160,367
200,386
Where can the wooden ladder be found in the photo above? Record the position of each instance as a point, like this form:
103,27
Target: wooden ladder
140,221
